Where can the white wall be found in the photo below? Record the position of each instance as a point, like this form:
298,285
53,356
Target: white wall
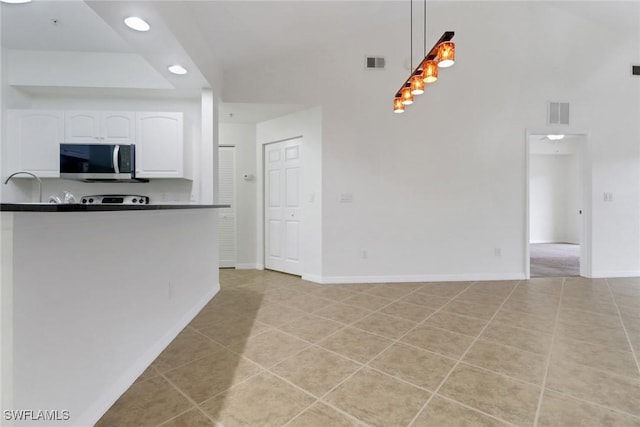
554,195
243,137
10,98
437,189
82,69
97,296
307,125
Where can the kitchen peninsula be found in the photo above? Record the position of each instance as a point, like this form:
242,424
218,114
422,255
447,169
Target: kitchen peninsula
92,294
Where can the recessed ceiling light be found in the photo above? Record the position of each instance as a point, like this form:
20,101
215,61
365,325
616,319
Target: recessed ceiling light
177,69
15,1
136,23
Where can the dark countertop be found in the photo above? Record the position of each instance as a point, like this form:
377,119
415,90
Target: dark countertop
77,207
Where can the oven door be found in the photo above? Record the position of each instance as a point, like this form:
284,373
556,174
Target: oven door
96,161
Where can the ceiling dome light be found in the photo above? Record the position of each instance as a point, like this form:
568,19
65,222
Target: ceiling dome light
430,71
398,106
15,1
555,137
417,85
137,24
446,54
178,69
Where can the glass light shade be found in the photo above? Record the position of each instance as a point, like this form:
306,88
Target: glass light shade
398,106
446,54
15,1
429,71
407,97
417,85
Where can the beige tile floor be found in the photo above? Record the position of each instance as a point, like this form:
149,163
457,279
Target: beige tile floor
273,350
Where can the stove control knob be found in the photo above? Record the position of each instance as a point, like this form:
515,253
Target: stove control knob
141,200
84,200
90,200
134,200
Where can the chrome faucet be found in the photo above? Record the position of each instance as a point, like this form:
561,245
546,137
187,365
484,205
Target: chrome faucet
28,173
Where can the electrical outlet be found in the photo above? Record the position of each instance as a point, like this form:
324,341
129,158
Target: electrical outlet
497,251
608,196
346,197
364,254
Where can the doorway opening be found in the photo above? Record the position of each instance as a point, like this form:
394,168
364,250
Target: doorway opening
557,227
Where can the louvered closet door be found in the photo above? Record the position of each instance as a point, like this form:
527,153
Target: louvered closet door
226,196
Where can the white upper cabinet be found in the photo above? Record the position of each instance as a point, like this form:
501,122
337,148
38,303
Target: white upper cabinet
34,142
159,145
100,127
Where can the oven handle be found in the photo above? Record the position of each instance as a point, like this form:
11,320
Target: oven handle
116,166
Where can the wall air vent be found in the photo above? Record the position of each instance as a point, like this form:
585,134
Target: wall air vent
374,63
635,70
558,113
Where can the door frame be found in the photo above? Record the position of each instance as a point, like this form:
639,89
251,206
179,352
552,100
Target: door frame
586,268
263,206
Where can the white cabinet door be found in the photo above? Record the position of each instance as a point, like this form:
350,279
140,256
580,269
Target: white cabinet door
82,127
34,142
118,127
159,145
100,127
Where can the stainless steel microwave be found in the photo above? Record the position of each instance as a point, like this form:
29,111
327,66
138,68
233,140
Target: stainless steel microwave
98,163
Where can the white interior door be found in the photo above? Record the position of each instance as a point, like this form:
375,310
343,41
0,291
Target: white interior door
283,219
226,196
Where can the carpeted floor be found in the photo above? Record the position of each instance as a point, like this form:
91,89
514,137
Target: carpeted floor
555,260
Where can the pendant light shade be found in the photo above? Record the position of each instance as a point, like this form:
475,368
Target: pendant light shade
398,106
407,97
417,85
429,71
446,54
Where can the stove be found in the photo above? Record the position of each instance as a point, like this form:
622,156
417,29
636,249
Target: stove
114,199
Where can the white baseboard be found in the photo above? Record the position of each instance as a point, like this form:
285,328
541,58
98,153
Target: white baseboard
249,266
614,274
413,278
97,410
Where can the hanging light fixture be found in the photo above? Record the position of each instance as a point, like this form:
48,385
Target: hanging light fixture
429,71
417,84
446,54
398,106
442,55
406,95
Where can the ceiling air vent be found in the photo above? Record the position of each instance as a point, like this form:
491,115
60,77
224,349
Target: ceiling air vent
374,63
635,70
558,113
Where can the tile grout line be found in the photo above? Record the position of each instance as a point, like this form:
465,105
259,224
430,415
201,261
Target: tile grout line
476,410
362,366
444,380
624,328
366,365
193,402
548,364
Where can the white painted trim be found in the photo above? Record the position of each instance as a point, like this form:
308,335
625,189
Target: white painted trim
585,160
249,267
413,278
614,274
108,398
